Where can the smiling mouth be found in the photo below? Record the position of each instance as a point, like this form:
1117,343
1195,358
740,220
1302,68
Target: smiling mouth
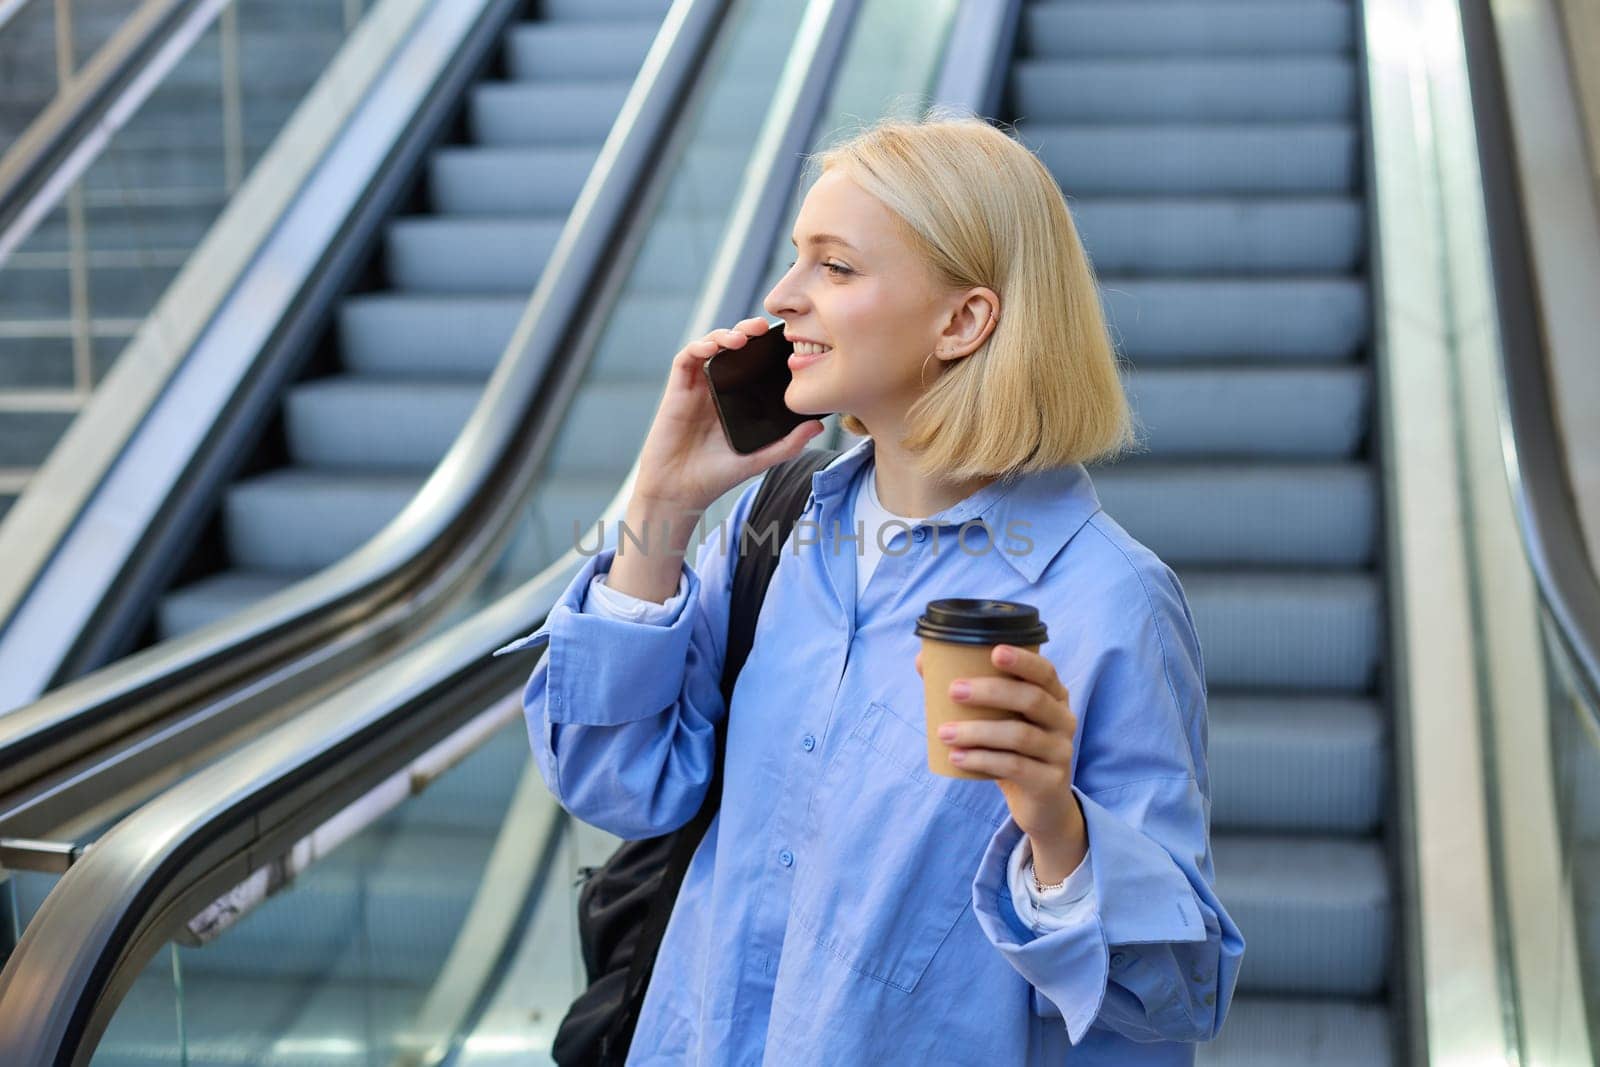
805,359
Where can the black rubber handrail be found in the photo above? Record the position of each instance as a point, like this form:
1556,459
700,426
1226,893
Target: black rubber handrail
1536,462
149,709
146,877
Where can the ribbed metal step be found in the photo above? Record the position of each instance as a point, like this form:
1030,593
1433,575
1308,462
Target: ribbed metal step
1169,89
1150,28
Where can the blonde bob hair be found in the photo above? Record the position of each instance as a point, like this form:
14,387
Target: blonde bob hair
1043,391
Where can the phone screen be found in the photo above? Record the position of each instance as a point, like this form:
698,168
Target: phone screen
747,385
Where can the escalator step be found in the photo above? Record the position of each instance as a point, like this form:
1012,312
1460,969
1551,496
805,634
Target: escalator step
602,432
579,51
1284,514
1099,29
376,425
1255,412
642,335
1296,764
1288,630
1276,1031
1279,320
1306,89
218,596
1314,912
1129,237
1214,158
539,113
409,336
508,181
601,10
469,255
296,521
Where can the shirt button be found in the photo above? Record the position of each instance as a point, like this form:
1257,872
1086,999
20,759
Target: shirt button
920,533
786,858
808,742
1118,959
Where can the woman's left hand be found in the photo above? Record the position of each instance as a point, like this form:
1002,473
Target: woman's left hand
1031,757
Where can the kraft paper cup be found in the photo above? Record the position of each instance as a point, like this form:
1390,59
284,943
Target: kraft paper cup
958,637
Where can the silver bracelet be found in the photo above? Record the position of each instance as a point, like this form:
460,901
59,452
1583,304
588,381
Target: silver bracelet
1040,886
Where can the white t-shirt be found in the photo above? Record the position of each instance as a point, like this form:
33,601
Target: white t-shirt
1050,910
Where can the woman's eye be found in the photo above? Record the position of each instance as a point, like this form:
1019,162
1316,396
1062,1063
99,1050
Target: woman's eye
836,268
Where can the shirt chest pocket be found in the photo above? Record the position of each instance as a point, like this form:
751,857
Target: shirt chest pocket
890,850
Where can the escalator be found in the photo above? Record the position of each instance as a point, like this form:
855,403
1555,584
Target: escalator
405,360
1212,159
382,390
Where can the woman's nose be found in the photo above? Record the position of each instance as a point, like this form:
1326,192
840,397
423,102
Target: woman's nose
781,298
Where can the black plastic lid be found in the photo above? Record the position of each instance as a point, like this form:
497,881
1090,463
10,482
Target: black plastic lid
965,621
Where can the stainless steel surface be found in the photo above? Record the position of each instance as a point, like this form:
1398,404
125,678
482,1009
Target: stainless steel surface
1528,232
1546,243
1561,217
1457,1009
49,857
980,47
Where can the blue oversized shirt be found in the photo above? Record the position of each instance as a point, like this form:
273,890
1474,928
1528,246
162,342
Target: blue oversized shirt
847,905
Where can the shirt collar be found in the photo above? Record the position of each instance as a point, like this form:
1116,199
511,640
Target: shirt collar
1030,518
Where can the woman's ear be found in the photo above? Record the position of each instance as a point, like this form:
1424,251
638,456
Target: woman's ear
970,324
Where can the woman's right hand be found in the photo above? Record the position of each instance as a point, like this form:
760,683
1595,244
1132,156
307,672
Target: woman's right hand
686,460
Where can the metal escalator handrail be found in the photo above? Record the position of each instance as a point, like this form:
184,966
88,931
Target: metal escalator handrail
331,624
1535,458
147,876
39,167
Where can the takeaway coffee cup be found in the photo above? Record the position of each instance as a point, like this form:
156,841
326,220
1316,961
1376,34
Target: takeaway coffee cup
958,636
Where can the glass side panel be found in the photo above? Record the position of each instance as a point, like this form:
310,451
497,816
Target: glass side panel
344,963
1575,752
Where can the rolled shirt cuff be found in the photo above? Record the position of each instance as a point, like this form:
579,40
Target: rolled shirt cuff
615,604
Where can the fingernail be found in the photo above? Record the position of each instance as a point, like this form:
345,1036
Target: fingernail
960,690
1005,655
947,733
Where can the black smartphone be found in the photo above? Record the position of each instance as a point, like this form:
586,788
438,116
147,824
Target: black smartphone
747,385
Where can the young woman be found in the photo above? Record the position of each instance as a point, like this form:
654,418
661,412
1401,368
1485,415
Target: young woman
848,906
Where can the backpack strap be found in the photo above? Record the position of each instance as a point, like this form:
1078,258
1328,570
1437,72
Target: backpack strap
780,500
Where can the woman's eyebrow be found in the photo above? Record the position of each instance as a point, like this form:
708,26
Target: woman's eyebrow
826,238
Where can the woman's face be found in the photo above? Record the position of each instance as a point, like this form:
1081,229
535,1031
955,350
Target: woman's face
856,286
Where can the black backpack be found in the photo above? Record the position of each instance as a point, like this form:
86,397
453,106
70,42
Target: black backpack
624,904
